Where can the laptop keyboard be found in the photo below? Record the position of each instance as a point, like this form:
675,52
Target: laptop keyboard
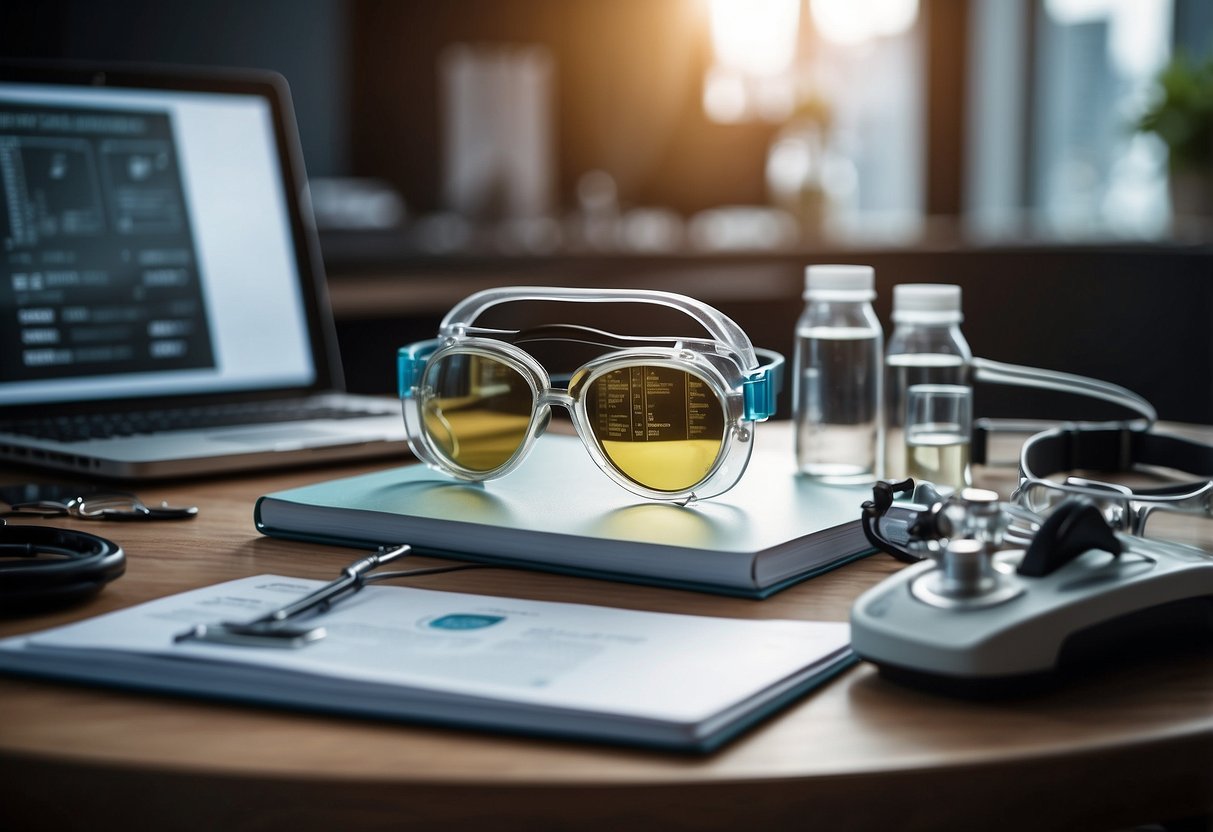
110,425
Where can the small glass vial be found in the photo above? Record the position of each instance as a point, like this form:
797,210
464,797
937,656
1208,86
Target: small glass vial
926,347
836,385
939,430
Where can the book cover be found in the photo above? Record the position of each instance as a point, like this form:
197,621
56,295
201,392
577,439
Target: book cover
558,511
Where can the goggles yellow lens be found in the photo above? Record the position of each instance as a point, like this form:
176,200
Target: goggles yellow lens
479,410
660,427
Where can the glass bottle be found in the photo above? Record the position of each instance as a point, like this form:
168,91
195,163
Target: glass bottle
926,347
836,385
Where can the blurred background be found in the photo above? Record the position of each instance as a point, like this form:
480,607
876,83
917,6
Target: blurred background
1054,157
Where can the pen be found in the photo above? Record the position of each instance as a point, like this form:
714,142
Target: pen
273,629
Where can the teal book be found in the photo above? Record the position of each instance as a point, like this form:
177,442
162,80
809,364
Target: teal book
558,512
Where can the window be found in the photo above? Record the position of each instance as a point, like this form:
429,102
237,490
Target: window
1056,89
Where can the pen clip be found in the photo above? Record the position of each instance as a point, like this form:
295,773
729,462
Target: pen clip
264,634
274,628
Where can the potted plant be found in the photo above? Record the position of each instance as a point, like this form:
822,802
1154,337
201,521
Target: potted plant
1182,116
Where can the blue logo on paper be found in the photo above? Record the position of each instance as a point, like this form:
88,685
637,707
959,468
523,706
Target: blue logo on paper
465,621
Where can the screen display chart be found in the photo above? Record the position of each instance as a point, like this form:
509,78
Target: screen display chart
145,246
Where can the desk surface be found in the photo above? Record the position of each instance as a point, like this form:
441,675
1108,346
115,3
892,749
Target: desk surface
1124,745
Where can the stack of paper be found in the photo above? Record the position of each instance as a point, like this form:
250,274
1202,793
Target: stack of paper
572,670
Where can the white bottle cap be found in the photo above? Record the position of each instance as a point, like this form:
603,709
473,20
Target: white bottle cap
839,282
926,303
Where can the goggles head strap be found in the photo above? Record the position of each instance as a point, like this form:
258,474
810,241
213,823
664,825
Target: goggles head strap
720,326
1115,448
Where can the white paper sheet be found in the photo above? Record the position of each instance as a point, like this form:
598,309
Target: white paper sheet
656,666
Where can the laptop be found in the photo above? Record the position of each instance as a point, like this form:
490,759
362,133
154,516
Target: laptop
163,308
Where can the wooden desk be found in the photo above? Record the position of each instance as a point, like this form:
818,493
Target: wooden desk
1126,745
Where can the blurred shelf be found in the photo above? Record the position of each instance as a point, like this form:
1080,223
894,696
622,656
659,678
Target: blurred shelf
431,289
382,274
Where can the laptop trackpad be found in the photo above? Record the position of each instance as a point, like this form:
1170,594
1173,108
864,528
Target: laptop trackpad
283,438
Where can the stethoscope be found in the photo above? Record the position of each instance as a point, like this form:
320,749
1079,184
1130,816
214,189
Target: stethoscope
44,566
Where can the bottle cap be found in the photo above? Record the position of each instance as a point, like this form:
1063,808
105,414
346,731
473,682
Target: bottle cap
839,282
927,303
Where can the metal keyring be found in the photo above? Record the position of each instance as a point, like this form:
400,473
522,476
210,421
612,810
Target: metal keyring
122,506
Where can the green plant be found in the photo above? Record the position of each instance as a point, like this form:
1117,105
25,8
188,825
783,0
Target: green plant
1182,113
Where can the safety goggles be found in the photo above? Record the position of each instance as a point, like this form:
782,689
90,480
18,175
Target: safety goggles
1115,447
1132,448
666,418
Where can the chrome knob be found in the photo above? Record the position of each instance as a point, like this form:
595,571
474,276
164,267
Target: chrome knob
977,513
966,569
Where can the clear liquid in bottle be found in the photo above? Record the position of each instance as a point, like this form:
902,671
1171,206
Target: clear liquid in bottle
941,458
902,372
837,436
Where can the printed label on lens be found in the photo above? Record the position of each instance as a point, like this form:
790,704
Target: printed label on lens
647,403
660,427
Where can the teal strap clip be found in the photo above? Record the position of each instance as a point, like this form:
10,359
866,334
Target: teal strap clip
761,389
410,364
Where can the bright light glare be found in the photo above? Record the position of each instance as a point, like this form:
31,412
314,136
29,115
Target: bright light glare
755,37
850,22
1138,30
1070,12
724,96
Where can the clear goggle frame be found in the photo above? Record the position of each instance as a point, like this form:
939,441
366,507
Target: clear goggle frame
1124,509
1144,508
475,401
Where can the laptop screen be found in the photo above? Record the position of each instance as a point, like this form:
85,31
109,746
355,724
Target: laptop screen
146,246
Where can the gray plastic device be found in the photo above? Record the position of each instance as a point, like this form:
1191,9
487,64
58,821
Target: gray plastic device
984,610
